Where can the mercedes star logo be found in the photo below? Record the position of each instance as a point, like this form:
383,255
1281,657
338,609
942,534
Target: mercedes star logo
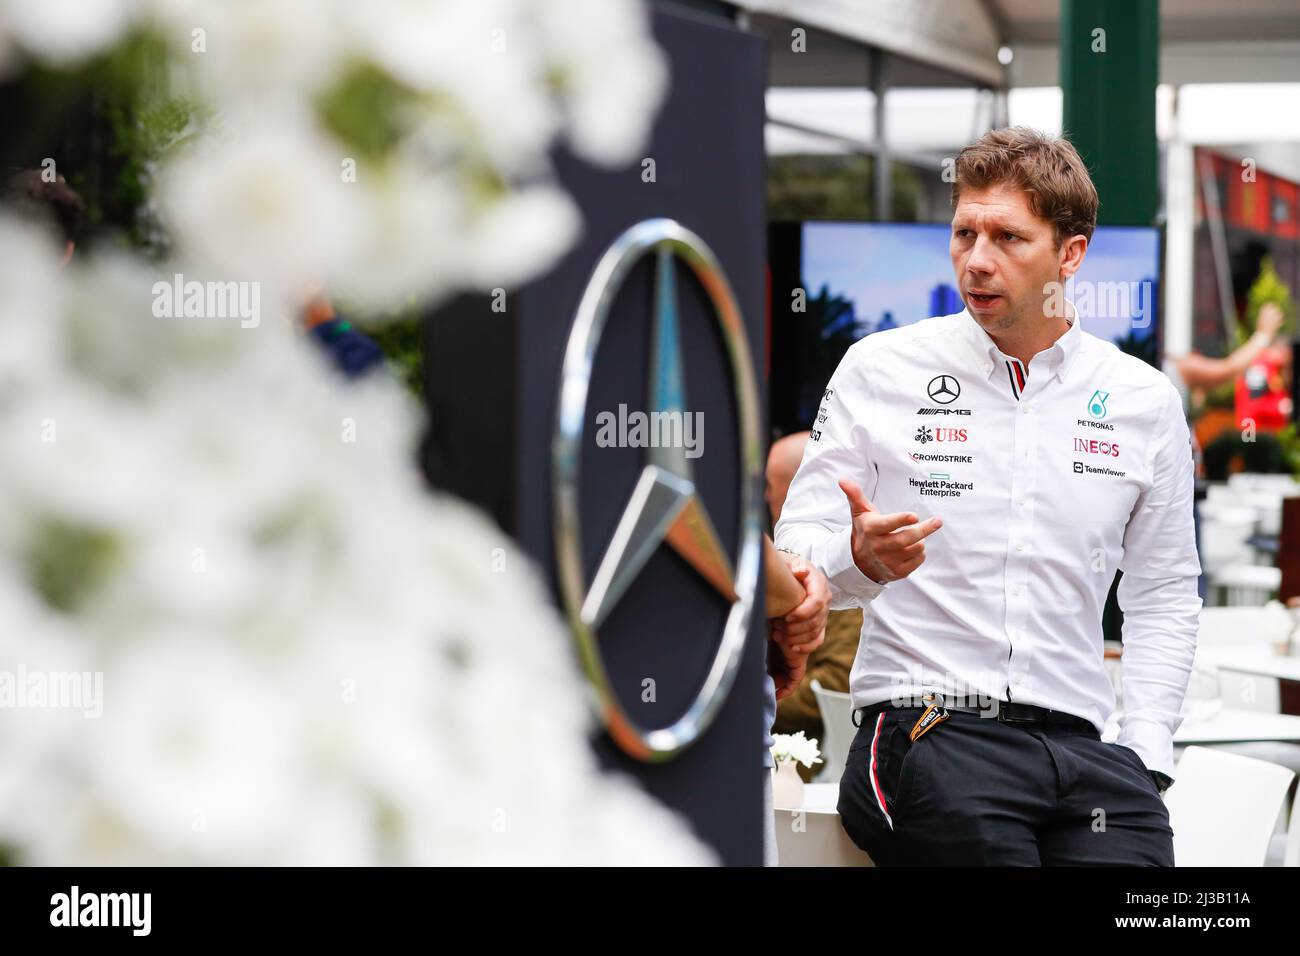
943,389
664,506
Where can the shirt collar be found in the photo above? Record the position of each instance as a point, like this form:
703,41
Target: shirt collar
1059,355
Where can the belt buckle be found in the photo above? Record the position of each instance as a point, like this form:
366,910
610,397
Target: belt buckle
1012,719
1003,716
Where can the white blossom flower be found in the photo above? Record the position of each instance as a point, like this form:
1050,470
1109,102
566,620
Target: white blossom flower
796,747
30,299
411,240
518,237
264,47
264,201
606,63
65,31
306,657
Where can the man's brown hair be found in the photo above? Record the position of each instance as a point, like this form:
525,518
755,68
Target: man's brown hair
1049,169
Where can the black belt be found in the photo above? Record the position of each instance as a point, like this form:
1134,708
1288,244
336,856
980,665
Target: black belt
1001,710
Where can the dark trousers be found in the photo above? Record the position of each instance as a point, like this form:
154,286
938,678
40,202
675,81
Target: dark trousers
974,791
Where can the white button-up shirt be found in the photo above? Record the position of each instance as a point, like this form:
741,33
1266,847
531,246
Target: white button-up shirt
1048,479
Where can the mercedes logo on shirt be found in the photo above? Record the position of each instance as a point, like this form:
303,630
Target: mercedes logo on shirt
943,389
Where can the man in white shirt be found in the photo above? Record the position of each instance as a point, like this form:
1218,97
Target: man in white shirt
974,482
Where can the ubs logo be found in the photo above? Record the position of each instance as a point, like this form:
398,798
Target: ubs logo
925,434
943,389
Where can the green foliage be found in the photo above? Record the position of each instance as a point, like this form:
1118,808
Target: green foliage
1229,452
1289,438
398,335
106,124
1268,287
363,110
1222,396
67,562
144,134
400,342
835,187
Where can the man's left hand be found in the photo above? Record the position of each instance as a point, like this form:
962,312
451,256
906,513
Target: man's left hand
803,629
794,637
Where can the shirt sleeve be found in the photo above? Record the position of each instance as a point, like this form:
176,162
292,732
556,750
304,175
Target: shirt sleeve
1159,597
815,519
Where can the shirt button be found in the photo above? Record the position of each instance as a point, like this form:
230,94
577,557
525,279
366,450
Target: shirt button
1020,546
1021,502
1016,592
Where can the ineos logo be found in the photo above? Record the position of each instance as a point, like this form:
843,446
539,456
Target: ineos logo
943,389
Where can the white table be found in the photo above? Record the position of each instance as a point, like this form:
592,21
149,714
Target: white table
812,836
1254,658
1227,726
1230,726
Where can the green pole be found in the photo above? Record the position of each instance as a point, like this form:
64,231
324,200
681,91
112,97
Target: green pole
1110,63
1110,60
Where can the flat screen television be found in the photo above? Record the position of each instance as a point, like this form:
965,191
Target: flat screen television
857,278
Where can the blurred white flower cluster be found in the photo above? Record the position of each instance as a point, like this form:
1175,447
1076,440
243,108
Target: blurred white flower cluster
305,657
387,149
796,747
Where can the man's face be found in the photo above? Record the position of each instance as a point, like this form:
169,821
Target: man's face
1004,256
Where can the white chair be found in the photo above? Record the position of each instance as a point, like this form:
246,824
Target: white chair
1225,530
1224,538
1247,481
1292,855
1234,626
837,736
1246,584
1224,808
1243,627
1250,692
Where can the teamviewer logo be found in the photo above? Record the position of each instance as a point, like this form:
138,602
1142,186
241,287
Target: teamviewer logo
1078,468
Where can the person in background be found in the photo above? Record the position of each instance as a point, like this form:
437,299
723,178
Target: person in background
48,200
1200,373
1197,372
1263,392
798,599
352,352
830,663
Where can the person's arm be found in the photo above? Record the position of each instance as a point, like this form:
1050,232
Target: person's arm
815,520
783,590
794,637
830,664
828,516
1159,598
1201,371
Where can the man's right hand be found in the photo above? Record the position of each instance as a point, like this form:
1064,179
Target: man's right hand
1270,319
885,547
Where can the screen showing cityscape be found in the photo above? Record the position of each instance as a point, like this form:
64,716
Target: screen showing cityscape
862,277
892,274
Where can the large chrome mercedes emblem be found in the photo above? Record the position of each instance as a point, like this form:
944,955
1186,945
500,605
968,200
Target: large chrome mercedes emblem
663,507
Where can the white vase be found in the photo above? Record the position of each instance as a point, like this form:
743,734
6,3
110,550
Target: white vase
787,786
